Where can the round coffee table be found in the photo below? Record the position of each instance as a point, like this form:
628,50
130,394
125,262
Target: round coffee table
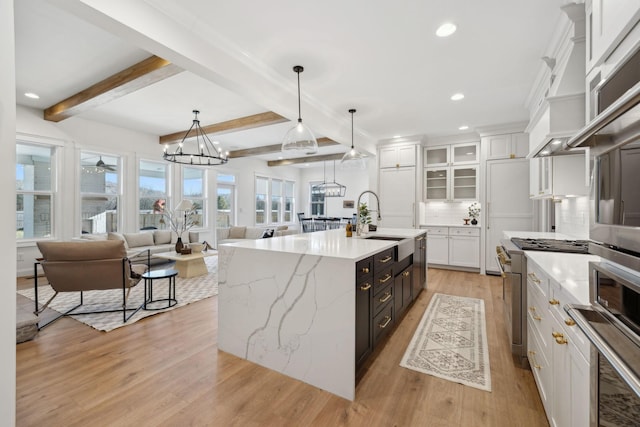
152,275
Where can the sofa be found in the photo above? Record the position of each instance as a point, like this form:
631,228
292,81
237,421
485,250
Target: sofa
136,244
238,234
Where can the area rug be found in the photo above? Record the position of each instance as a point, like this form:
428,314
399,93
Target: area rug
451,342
187,291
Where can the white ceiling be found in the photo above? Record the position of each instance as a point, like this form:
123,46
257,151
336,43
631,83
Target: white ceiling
380,57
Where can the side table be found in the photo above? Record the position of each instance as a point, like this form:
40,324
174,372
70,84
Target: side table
152,275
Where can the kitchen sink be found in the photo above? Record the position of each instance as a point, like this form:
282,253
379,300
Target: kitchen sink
403,249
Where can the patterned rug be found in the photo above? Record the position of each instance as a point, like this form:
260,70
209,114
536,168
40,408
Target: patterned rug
187,291
451,342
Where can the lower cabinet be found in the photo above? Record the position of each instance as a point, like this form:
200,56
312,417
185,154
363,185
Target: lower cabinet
558,352
454,246
402,287
364,310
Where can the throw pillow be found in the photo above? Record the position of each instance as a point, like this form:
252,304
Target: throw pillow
267,233
282,227
162,237
117,236
136,240
237,232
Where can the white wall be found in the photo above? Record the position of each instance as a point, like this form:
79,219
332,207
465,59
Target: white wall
572,217
7,217
450,213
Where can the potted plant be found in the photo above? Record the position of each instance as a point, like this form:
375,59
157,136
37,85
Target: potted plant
364,217
474,212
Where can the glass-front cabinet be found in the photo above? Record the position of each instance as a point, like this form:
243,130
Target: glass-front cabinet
451,155
436,183
451,172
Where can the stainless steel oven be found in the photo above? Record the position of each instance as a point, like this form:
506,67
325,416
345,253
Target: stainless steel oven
612,324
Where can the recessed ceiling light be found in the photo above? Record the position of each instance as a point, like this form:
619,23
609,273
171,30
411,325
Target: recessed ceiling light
32,95
446,29
457,96
463,127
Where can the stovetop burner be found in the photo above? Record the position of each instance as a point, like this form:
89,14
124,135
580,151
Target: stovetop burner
552,245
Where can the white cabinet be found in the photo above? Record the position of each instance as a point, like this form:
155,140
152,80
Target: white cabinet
507,205
453,246
396,156
506,146
559,176
451,155
398,194
558,351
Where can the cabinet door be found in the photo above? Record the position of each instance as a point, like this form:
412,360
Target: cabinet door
406,156
436,156
464,154
464,251
545,176
561,394
520,144
580,389
508,206
388,157
498,146
438,252
464,182
364,337
534,177
398,207
436,184
419,268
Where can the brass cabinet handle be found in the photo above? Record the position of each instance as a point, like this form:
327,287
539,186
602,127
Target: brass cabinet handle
365,287
384,324
386,278
570,322
405,274
534,313
554,301
532,354
365,269
557,334
561,340
385,260
534,277
386,297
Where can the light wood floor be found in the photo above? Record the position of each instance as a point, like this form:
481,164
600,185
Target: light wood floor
166,370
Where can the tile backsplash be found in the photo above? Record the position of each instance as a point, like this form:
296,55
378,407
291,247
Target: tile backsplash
444,212
572,217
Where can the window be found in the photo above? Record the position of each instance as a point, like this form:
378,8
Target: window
99,192
153,194
193,188
34,190
317,200
281,205
226,200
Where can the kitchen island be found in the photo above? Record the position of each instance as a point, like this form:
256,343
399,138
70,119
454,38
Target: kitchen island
289,303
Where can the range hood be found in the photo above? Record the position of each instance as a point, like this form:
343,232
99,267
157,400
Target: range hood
558,119
617,125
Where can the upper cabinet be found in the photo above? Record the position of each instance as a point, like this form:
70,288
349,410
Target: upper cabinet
395,156
506,146
559,176
608,24
451,155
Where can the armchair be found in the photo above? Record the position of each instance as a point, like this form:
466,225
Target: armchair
88,266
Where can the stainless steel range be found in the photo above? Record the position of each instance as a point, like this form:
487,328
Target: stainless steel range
513,265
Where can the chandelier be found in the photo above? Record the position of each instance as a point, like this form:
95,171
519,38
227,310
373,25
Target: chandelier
196,148
353,159
329,189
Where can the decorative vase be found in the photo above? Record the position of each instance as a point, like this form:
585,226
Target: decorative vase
179,245
474,221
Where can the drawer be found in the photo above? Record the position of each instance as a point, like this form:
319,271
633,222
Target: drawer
542,371
383,259
383,297
364,268
464,231
537,278
540,319
441,231
559,298
382,279
383,323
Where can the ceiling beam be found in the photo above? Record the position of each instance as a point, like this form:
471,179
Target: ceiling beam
138,76
243,123
310,159
270,149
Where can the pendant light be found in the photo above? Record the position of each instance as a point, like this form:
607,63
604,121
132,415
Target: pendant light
299,139
353,159
198,151
329,189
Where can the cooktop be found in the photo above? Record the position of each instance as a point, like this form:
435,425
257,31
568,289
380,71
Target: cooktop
552,245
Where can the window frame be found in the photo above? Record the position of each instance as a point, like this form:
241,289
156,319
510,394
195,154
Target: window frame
167,197
231,186
322,203
204,199
118,193
268,211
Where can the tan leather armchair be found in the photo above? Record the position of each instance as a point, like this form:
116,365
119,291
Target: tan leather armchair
88,266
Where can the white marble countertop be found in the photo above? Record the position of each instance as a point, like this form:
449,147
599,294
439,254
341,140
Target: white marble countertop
570,271
331,243
536,235
449,224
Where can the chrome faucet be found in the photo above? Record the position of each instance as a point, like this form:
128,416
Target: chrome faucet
358,224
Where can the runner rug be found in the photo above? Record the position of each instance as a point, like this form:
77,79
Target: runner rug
451,342
187,291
